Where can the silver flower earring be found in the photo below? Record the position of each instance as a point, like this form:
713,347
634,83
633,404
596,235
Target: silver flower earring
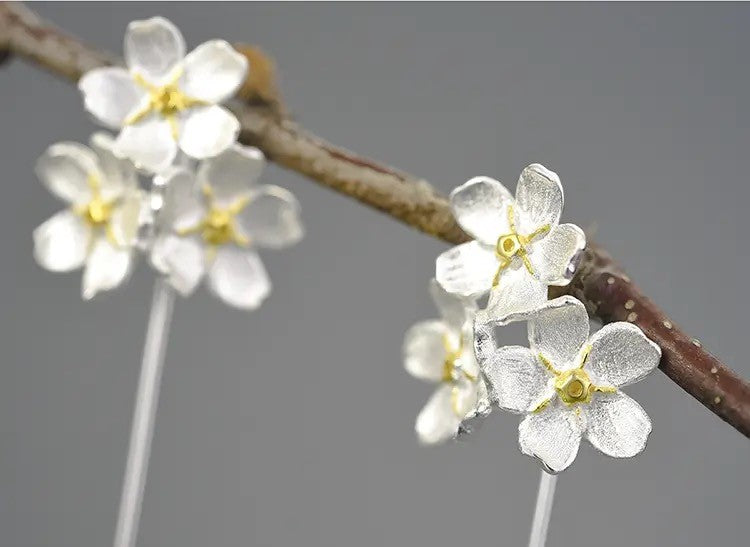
568,384
441,351
519,247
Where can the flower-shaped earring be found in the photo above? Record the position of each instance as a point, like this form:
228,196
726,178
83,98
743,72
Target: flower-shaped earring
212,220
518,249
100,227
569,384
441,351
167,100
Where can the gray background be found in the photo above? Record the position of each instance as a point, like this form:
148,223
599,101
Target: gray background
293,426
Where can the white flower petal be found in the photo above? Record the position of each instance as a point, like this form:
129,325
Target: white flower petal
621,355
181,259
518,292
554,257
552,435
110,94
208,131
271,218
238,277
126,218
455,310
213,72
107,267
480,206
148,143
118,173
466,269
424,349
61,243
617,425
539,199
438,421
153,48
183,207
559,330
517,380
232,174
65,169
468,360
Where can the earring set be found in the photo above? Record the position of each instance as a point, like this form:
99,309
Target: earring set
565,383
204,214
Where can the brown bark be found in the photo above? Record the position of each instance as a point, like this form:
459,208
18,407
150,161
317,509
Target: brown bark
600,283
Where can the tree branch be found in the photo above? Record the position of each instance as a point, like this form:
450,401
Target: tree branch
600,283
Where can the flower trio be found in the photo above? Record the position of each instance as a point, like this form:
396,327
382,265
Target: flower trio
204,214
566,383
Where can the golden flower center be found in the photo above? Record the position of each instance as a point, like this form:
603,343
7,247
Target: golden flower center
218,227
508,245
574,386
97,212
169,100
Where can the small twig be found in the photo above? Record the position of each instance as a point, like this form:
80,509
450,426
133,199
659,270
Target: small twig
602,285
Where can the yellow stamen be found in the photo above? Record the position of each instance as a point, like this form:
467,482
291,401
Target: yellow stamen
219,226
166,100
573,385
514,244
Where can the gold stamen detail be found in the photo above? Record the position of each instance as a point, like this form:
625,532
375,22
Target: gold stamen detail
514,244
218,226
166,100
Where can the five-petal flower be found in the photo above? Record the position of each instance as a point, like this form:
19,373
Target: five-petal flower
569,384
211,220
166,100
100,227
518,249
441,351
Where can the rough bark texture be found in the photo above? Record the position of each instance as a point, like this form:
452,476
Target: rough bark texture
600,283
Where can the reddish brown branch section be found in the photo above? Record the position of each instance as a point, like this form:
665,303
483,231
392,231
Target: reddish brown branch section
607,292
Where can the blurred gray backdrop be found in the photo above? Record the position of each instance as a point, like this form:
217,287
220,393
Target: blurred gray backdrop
293,425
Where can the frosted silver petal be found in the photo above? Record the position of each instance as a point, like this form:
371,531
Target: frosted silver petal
153,48
518,292
107,267
621,354
617,425
553,257
455,310
517,380
559,330
231,174
61,243
65,169
181,259
272,218
438,421
208,131
213,72
424,350
552,435
539,199
480,207
118,174
238,277
183,206
110,94
467,269
149,144
126,218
